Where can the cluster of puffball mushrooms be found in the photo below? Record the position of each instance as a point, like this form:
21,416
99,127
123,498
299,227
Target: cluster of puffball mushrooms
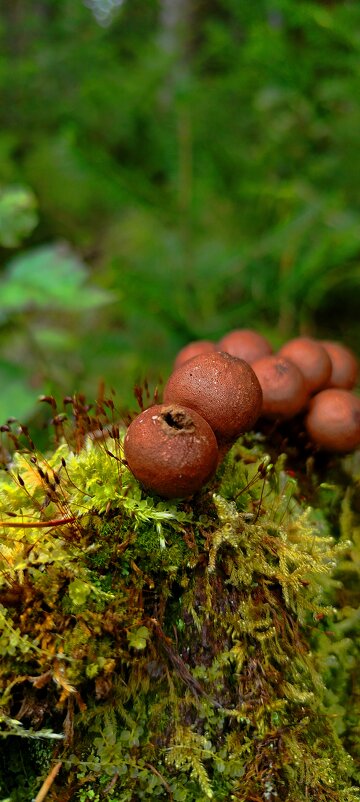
218,391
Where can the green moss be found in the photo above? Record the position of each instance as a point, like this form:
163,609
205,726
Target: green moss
21,766
180,650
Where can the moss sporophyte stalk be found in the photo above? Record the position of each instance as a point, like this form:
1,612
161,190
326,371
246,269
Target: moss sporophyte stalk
186,650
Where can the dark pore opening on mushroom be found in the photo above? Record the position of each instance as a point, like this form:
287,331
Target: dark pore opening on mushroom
282,368
178,419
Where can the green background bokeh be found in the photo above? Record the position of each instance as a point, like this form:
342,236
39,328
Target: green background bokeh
168,171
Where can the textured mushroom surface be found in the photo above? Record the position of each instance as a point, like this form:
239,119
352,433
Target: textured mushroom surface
171,450
245,344
283,387
221,388
333,420
345,366
311,358
193,349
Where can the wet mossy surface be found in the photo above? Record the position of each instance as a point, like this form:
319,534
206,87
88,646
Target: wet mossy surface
206,649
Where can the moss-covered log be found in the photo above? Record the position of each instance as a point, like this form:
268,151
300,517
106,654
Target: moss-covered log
188,651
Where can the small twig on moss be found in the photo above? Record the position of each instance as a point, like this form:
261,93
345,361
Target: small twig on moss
180,667
37,524
165,784
111,784
45,788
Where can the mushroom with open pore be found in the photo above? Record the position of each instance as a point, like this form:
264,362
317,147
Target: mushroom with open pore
171,450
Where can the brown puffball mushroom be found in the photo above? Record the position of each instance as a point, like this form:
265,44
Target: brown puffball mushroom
245,344
345,366
312,359
193,349
283,387
221,388
171,450
333,420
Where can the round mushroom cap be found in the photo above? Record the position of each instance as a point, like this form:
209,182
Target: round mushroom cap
333,420
193,349
245,344
221,388
171,450
311,358
345,366
283,387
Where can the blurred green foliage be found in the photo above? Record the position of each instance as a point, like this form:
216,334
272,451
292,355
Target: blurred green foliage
200,157
18,216
46,309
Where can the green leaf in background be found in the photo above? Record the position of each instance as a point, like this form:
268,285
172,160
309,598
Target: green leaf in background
78,592
18,215
17,398
256,225
51,276
137,639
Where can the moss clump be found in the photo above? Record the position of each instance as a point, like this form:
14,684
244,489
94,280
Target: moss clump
177,650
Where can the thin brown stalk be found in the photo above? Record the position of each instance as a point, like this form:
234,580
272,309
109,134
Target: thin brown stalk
45,788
